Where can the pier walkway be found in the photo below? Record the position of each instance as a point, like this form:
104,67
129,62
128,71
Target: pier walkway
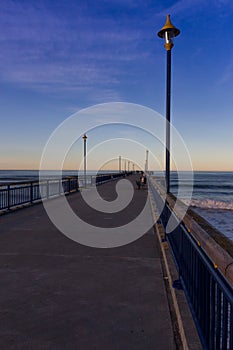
58,294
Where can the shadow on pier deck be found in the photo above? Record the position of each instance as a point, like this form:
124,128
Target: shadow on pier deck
58,294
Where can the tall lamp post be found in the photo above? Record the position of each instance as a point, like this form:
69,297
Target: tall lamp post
85,159
168,33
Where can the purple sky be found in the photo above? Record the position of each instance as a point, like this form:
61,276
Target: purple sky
58,57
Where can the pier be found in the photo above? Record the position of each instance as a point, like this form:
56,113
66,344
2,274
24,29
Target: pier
59,294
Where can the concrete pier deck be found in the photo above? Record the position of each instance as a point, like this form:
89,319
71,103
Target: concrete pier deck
58,294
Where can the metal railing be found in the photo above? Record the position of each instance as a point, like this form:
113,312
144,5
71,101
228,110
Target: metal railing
98,179
102,178
208,291
26,192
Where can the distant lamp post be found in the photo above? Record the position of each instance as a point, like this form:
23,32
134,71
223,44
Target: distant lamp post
85,159
119,164
168,32
146,165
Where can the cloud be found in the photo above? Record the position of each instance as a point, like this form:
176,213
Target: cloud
189,7
185,5
39,45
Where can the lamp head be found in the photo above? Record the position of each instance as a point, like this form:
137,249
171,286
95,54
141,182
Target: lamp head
84,137
168,32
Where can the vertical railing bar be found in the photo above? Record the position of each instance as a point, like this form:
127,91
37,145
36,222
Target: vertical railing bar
59,186
204,315
207,304
211,341
224,323
218,320
231,327
207,317
31,192
47,189
202,299
8,197
194,289
196,281
198,291
190,272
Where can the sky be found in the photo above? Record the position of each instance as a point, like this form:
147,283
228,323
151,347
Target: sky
59,57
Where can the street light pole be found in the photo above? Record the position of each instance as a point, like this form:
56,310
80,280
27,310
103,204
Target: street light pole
168,32
85,159
146,167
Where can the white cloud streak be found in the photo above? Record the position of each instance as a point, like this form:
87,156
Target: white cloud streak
44,50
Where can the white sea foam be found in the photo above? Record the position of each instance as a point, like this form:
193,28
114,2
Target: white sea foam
211,204
219,218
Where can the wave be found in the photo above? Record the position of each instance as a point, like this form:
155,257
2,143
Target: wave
204,186
211,204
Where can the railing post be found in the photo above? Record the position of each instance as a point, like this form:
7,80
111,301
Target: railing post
59,186
8,197
47,189
31,192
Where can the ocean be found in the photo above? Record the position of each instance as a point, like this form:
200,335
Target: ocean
212,196
25,175
7,176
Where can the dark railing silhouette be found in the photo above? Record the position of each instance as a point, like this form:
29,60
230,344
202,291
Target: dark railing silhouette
21,193
25,192
102,178
205,274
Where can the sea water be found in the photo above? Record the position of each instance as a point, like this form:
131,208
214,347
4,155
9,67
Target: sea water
213,199
7,176
212,196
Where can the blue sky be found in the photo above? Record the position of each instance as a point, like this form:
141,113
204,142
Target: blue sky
58,57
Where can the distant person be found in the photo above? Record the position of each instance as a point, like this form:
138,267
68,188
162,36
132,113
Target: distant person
138,183
145,180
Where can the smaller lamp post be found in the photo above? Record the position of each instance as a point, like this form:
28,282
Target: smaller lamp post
119,164
85,159
146,167
168,33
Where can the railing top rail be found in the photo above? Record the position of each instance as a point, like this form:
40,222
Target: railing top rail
25,182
